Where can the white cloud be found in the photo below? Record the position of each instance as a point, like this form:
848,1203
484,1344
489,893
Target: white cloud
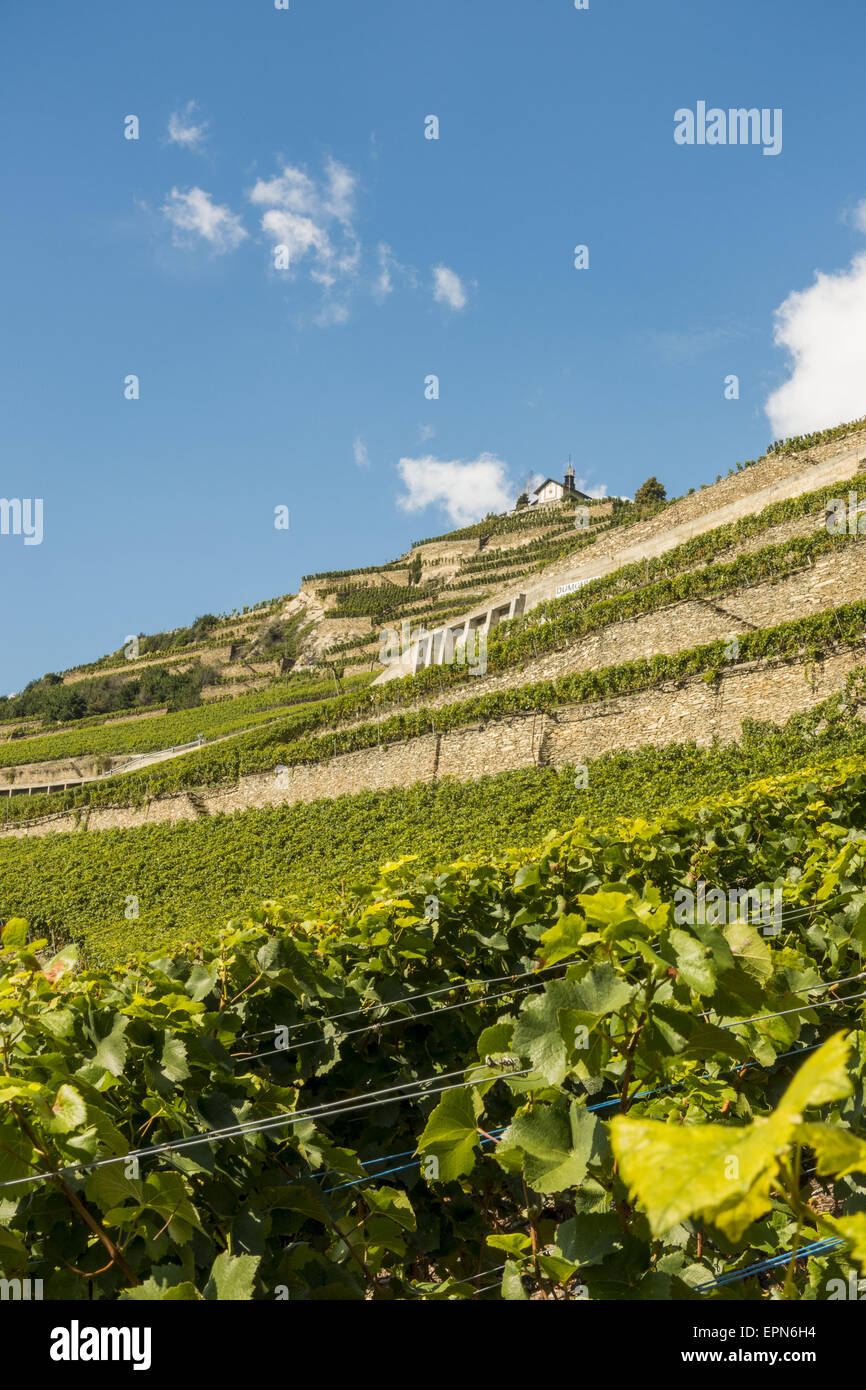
184,131
313,220
685,344
448,287
309,220
292,190
195,215
856,216
591,490
467,491
362,457
342,183
824,330
389,270
298,234
332,313
385,283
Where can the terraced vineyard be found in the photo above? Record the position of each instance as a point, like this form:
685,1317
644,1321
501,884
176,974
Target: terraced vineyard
539,981
213,720
471,1082
155,886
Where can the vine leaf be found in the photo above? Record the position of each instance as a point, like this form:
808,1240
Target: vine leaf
14,934
232,1278
512,1284
69,1110
67,959
112,1051
722,1172
554,1145
749,949
853,1230
822,1079
565,938
451,1133
166,1284
694,962
589,1239
173,1063
837,1150
516,1244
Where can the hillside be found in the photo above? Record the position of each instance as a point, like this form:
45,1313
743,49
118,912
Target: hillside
613,712
674,622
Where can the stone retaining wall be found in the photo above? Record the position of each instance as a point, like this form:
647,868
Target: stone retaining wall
677,711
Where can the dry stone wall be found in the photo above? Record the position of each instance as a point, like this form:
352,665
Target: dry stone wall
6,729
696,709
775,479
677,711
773,535
60,770
398,577
834,580
333,630
177,661
235,687
156,713
236,670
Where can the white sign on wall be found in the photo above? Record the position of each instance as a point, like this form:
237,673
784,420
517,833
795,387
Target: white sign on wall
572,586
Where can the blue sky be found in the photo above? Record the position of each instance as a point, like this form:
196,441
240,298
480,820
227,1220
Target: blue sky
305,387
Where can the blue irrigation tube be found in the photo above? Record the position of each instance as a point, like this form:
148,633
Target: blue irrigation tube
387,1171
660,1090
597,1105
817,1247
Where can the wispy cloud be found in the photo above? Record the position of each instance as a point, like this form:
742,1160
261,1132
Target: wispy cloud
448,287
387,265
184,130
679,344
465,490
312,221
590,489
856,216
332,312
195,217
362,457
823,328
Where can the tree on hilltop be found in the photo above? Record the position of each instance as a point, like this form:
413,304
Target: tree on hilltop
650,492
